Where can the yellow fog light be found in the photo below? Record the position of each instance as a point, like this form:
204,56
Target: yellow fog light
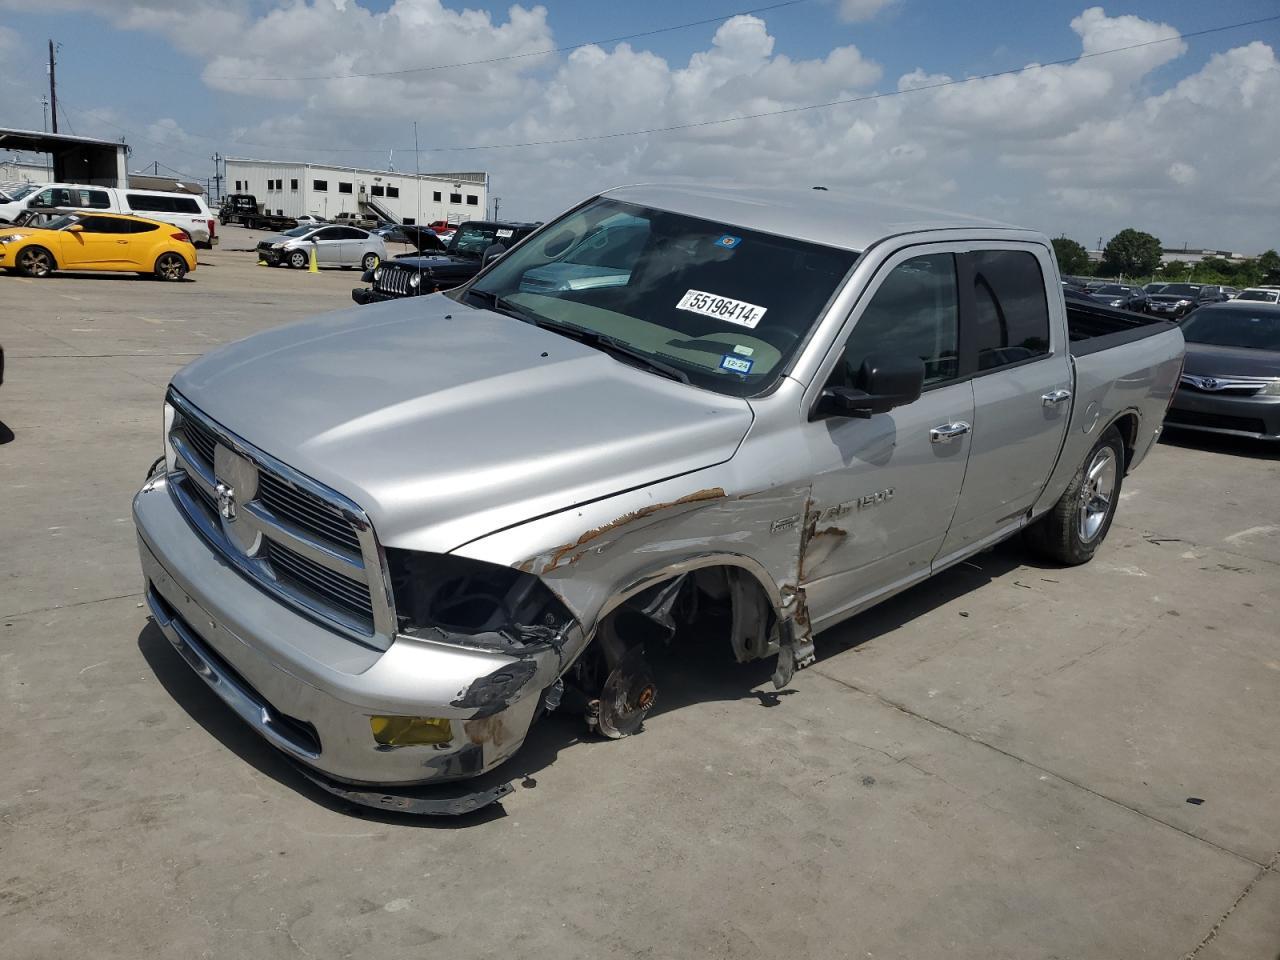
407,731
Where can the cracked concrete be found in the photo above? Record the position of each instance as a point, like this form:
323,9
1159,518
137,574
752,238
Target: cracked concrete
994,764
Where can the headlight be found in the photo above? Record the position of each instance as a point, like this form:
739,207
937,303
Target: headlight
470,603
1272,389
13,238
415,281
278,246
1117,303
170,455
377,274
1184,303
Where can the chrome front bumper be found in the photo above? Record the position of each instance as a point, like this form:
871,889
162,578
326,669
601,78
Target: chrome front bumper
310,691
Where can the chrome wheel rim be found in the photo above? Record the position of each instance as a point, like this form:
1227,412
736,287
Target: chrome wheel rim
298,260
170,268
371,261
35,262
1097,493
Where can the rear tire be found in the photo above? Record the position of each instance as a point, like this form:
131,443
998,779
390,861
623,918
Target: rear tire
1073,530
170,267
36,262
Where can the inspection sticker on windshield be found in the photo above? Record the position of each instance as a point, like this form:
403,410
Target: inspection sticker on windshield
722,308
736,364
505,233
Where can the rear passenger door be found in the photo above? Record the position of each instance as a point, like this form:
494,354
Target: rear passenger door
1012,338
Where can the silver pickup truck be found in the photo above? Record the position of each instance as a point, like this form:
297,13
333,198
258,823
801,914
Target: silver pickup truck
390,538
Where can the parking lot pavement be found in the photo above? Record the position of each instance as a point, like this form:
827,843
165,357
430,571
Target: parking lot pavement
997,763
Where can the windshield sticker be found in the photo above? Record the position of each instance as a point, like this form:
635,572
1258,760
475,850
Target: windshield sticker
745,351
728,242
722,308
736,364
505,233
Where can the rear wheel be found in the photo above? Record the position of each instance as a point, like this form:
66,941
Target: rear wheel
171,267
1072,531
35,262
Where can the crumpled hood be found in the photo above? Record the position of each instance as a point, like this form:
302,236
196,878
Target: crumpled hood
446,422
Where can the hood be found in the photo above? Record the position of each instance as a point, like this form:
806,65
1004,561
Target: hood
446,422
1205,360
426,262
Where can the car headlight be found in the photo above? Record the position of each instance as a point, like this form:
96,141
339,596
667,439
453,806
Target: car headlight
415,281
1272,389
470,603
377,274
13,238
170,455
1184,303
277,246
1117,303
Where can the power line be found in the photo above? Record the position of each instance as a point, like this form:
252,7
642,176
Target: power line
517,56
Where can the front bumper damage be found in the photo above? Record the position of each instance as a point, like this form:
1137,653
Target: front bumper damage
311,693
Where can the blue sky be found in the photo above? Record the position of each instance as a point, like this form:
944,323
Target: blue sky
126,69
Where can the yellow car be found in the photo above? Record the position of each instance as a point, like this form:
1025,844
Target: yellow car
98,241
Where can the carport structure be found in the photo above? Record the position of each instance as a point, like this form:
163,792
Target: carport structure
75,159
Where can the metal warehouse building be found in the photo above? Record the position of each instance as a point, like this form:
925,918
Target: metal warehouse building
292,189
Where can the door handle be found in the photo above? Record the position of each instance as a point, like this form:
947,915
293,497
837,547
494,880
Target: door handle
1055,397
948,432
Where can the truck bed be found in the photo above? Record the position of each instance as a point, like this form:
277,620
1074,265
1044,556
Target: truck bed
1093,327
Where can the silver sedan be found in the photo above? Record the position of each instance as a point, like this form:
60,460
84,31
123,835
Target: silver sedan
334,246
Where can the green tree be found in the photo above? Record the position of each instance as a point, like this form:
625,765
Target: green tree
1269,267
1175,270
1131,253
1073,258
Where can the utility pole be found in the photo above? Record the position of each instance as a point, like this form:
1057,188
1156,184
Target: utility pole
496,202
53,85
217,174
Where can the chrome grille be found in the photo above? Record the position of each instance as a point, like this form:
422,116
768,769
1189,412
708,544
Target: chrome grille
394,280
306,511
344,592
307,544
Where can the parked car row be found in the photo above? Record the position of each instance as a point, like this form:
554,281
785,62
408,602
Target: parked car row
1173,300
28,202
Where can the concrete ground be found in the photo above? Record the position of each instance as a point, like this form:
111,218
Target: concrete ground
999,763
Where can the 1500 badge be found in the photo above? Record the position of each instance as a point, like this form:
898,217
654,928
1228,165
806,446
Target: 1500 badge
839,510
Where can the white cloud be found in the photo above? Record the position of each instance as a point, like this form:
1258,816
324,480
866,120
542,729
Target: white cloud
1086,147
856,11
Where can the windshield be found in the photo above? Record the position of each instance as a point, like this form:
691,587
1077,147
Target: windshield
1181,289
1264,296
62,222
24,191
725,306
1234,327
473,239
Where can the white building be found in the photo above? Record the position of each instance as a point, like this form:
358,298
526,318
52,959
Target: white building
292,189
25,171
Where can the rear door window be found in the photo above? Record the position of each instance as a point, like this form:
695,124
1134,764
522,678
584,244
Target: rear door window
1010,322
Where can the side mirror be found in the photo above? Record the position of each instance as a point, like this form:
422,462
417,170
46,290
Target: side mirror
492,253
76,228
883,383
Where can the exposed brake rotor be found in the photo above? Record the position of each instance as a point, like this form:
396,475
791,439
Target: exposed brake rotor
627,697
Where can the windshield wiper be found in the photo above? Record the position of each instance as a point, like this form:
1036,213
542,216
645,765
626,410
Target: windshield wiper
614,347
500,305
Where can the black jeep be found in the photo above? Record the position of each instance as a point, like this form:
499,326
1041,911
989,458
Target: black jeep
437,266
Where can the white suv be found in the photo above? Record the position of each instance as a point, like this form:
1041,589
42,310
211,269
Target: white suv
186,210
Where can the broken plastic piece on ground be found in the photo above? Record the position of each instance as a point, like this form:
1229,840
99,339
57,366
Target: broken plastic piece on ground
1195,800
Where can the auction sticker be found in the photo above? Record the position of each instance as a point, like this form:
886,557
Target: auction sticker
505,233
721,308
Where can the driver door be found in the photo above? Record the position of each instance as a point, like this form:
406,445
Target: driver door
885,488
93,247
329,245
